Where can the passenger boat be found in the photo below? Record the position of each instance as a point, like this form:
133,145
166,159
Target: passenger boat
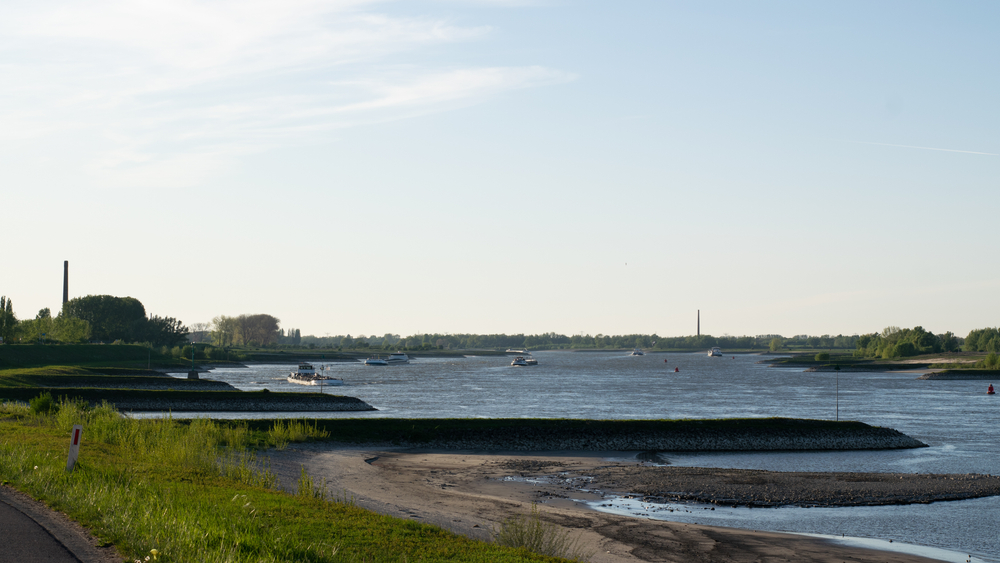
519,361
376,361
397,358
515,351
637,352
530,361
306,374
715,351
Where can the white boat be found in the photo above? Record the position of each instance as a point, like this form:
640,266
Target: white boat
715,351
530,361
397,358
306,374
513,351
376,361
637,352
519,361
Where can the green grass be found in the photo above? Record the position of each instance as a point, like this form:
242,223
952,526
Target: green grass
195,491
75,376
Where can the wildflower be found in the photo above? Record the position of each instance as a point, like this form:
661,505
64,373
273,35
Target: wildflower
36,467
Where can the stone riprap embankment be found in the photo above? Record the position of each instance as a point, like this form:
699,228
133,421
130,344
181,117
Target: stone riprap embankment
756,488
732,438
245,402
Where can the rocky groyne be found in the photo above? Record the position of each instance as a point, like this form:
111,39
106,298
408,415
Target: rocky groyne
959,375
724,438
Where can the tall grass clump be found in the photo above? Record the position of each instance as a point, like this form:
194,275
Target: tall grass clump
534,534
282,432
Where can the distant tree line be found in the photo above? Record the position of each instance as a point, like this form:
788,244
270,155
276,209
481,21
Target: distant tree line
895,342
555,341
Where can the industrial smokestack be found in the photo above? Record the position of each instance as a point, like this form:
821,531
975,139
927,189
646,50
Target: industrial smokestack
699,322
65,281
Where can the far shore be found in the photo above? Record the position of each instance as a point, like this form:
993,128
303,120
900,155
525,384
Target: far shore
466,492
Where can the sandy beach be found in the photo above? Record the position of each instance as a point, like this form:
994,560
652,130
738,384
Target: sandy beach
470,492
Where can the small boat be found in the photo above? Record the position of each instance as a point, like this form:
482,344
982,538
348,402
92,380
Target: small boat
715,352
397,358
637,352
519,361
306,374
518,352
376,361
530,361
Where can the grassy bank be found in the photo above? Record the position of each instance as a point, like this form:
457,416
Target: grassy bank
84,355
194,491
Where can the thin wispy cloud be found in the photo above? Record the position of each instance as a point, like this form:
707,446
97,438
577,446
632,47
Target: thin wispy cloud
156,83
924,148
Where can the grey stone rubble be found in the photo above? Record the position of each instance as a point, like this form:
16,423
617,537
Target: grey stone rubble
701,440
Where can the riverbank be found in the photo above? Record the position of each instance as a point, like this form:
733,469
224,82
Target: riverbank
470,492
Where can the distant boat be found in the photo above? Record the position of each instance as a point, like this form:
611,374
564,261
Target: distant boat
397,358
519,361
530,361
518,352
715,352
306,374
637,352
376,361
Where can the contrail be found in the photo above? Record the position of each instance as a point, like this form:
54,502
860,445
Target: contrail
924,148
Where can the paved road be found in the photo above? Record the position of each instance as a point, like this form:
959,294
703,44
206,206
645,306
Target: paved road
30,532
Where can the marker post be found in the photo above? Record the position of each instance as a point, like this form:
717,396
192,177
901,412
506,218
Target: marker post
74,446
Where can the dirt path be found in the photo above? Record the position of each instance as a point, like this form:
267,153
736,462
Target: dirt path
465,492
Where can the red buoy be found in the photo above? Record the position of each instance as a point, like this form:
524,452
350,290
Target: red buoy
990,390
677,369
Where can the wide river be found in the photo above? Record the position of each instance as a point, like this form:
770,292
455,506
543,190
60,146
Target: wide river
956,418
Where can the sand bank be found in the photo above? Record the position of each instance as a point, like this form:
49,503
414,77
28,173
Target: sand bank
466,492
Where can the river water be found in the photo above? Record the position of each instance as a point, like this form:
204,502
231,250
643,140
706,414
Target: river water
955,418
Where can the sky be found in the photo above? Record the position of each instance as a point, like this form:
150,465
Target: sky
504,166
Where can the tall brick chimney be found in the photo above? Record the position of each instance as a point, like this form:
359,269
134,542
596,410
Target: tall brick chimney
65,281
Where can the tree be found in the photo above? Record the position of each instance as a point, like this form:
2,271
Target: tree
8,322
166,331
224,331
256,330
776,344
111,318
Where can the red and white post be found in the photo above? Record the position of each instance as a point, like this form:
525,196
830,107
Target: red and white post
74,446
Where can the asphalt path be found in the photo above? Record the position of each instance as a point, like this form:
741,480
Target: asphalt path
31,532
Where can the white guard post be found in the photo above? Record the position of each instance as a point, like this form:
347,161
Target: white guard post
74,446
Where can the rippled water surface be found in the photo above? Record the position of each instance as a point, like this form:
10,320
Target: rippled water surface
956,418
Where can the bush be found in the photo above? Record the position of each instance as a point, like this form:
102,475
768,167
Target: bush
43,404
823,357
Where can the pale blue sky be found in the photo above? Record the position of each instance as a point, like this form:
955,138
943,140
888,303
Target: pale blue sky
491,166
